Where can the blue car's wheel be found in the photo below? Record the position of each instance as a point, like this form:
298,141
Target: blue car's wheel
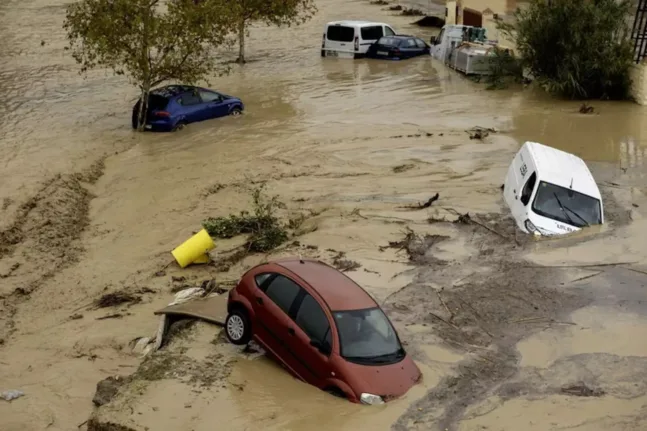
236,112
179,126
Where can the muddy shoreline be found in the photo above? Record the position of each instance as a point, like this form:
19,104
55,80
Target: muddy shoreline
534,335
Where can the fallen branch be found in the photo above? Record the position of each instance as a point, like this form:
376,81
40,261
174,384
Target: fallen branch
394,293
587,277
477,316
422,205
635,270
489,228
590,265
444,321
528,319
451,315
456,343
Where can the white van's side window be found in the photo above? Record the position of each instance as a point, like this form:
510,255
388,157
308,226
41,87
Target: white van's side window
338,33
526,193
372,33
388,31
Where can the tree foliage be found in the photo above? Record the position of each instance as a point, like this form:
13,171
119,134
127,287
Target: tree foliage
149,41
271,12
576,48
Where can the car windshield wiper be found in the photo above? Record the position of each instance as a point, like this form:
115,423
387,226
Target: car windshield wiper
570,220
387,357
576,214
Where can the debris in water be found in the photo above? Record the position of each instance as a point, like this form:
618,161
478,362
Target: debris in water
463,219
112,316
11,394
76,316
395,8
586,109
480,132
417,246
117,298
411,12
581,390
107,389
423,205
379,2
344,265
430,21
210,286
402,168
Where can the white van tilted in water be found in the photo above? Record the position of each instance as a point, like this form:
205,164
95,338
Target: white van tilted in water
551,192
351,39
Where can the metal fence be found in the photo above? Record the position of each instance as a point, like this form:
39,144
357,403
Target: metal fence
639,31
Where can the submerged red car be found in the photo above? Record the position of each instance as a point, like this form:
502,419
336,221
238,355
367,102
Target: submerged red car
323,327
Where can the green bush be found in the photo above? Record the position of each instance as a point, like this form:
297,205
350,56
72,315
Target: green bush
576,48
265,230
504,69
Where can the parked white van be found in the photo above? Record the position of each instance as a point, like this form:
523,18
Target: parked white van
551,192
351,39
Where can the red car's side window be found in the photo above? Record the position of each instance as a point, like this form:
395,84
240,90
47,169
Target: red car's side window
262,280
282,291
312,319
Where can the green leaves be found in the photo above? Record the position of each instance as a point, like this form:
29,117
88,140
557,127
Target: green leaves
576,48
271,12
147,40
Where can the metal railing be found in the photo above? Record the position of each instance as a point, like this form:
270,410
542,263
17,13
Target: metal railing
639,31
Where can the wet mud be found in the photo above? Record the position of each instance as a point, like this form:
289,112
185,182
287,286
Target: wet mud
510,332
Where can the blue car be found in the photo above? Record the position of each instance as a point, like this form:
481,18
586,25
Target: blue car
172,107
398,47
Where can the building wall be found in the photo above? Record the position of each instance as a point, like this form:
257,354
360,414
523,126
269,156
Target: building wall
639,83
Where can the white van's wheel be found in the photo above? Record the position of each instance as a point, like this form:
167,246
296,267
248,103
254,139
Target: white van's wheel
237,327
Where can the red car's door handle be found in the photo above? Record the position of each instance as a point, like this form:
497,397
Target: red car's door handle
291,331
259,300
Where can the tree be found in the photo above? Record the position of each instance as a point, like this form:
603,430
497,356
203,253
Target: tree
271,12
149,41
576,48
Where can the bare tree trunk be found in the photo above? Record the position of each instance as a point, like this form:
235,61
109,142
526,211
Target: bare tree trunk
241,41
143,108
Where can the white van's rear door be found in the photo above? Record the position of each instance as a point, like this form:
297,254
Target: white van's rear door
339,39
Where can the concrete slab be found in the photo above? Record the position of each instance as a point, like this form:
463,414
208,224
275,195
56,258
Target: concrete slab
212,309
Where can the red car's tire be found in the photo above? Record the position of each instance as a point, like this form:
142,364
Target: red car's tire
238,328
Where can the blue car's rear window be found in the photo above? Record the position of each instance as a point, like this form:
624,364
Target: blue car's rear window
389,41
157,102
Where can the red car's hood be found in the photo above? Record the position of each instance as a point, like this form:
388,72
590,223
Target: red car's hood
387,381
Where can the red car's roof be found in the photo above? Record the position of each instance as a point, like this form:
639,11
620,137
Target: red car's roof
335,288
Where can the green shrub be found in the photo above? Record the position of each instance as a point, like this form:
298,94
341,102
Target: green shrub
579,49
265,230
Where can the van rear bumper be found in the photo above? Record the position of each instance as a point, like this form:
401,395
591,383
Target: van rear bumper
327,52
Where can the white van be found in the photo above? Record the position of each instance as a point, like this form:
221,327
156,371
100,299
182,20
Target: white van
351,39
551,192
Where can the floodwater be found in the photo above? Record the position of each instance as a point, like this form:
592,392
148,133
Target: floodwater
326,134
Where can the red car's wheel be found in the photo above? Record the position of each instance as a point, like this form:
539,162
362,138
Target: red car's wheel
238,328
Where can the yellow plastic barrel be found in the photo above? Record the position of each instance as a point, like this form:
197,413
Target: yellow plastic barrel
201,259
193,249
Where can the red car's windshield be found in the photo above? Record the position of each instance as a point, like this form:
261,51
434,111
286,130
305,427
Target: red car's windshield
367,336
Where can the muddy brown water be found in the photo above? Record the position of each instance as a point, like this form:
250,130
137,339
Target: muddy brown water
327,135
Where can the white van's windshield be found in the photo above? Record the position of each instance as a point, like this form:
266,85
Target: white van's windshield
566,206
339,33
